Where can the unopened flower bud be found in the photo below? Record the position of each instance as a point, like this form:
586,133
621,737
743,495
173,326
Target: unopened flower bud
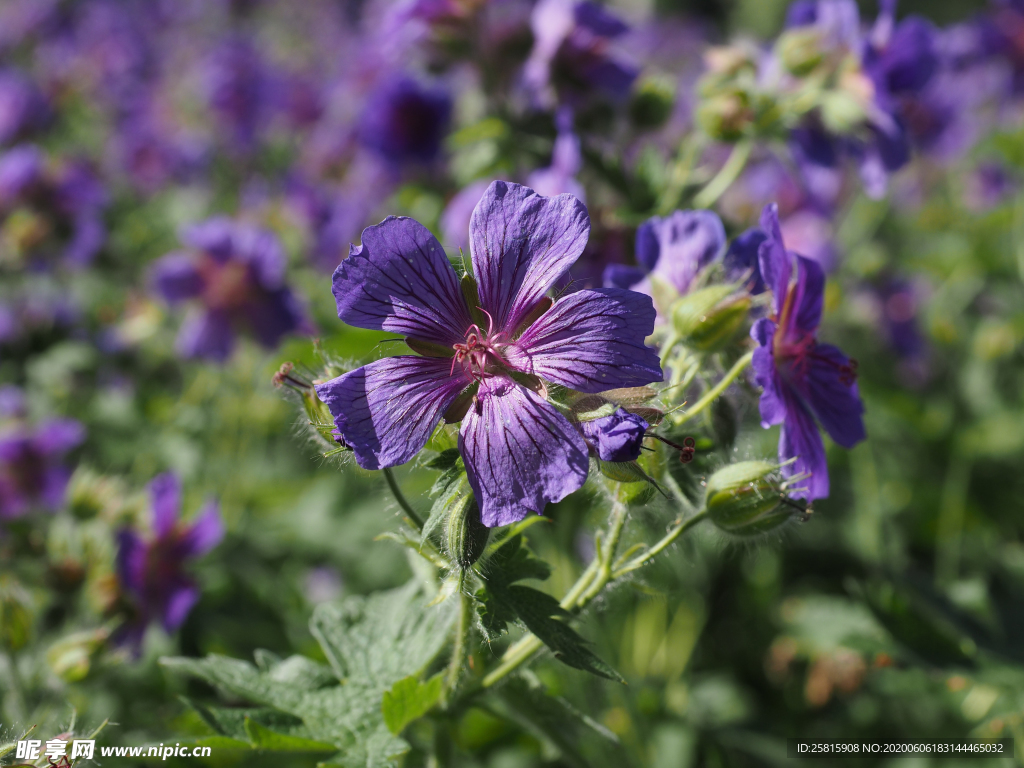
729,60
725,117
652,102
799,50
465,534
842,112
745,499
710,318
616,437
71,657
91,494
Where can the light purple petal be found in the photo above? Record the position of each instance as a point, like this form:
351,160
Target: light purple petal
833,396
58,436
387,410
180,603
54,485
205,532
176,278
214,236
165,496
261,249
520,452
591,341
400,281
456,216
687,242
774,261
800,438
207,334
521,244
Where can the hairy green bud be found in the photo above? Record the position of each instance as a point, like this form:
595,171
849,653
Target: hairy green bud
799,50
71,657
710,318
465,535
745,499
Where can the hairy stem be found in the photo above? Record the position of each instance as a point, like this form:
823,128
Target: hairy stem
666,541
715,391
726,176
410,514
461,645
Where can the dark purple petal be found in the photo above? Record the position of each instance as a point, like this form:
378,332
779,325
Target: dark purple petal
647,246
908,60
775,263
165,496
521,244
591,340
687,242
405,121
176,278
400,281
180,601
618,437
622,276
833,396
742,259
599,21
772,404
53,487
387,410
131,561
800,439
520,452
206,334
88,236
205,532
809,294
58,436
275,314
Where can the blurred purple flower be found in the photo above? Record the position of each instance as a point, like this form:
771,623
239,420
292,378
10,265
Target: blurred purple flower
23,108
617,437
32,475
236,274
801,379
12,401
570,56
741,260
520,451
151,571
899,309
989,185
673,249
459,211
405,121
566,162
241,88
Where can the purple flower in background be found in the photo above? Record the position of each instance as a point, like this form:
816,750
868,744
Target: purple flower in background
405,121
241,89
989,185
237,275
152,571
32,475
571,51
673,249
801,379
899,308
566,162
23,107
617,437
459,211
741,260
488,347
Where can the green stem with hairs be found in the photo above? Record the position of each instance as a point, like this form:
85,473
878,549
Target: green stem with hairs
410,514
461,645
718,389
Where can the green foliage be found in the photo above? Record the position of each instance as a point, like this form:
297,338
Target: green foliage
409,699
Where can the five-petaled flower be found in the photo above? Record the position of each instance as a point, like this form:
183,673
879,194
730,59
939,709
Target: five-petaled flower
152,572
802,379
488,347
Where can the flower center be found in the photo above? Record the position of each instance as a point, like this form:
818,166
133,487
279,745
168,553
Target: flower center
795,358
480,354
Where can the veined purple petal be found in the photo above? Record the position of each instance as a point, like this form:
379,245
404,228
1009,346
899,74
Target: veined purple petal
165,496
617,437
206,334
521,244
387,410
833,396
176,278
520,452
775,262
800,439
182,598
687,242
205,532
591,341
401,281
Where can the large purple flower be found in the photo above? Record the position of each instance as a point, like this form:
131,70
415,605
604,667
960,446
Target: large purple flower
152,571
673,249
802,379
489,347
237,273
405,121
32,475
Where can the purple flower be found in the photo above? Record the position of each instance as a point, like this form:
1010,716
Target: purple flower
458,212
241,89
152,571
23,107
802,380
617,437
571,51
566,162
237,274
741,260
673,249
32,475
494,354
405,121
989,185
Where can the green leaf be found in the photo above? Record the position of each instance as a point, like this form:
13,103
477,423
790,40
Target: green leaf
409,700
262,737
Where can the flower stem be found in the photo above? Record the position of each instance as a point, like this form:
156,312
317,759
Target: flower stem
718,389
410,514
726,176
666,541
461,645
